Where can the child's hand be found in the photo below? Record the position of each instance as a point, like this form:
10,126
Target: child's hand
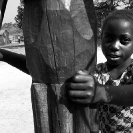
82,88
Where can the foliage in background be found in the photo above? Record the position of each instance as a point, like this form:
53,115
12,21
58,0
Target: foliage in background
16,28
104,7
19,16
12,28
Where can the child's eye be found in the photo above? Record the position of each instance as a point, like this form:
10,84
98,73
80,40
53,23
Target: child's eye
108,38
125,40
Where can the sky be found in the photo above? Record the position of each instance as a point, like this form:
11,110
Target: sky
11,11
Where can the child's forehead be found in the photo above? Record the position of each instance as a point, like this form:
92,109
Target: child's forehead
119,22
118,27
125,15
123,23
119,15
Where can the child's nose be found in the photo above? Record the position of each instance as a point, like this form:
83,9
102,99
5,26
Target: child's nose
115,45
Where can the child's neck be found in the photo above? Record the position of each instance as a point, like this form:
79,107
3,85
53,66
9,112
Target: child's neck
116,71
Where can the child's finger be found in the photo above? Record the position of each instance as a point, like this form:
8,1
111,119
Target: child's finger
80,86
82,78
82,72
80,94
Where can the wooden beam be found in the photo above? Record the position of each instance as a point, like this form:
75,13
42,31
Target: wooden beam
60,38
2,10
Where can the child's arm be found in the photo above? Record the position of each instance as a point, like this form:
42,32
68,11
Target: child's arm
84,89
14,59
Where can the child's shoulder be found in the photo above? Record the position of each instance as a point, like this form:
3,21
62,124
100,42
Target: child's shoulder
127,76
130,68
101,68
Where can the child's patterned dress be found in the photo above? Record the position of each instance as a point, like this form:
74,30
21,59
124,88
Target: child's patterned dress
113,118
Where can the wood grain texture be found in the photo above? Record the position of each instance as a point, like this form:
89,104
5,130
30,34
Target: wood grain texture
52,114
59,41
60,38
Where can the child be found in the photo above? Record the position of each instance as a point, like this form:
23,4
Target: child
113,86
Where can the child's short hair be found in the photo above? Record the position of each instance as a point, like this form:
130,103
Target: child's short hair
125,14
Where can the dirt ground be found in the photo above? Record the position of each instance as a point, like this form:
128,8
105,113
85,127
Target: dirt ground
15,101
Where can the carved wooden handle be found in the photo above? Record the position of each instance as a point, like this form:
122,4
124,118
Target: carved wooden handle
60,38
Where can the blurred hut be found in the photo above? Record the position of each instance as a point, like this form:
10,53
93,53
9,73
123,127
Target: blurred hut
4,37
16,38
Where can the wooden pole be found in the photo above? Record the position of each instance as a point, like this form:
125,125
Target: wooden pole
60,38
2,10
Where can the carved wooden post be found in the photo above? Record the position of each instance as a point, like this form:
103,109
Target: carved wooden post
60,38
2,10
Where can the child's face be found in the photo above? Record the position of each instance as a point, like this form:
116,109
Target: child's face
117,41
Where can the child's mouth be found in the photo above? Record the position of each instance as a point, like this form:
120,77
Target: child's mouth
114,57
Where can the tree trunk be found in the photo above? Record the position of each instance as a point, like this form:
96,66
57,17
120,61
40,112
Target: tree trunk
60,38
